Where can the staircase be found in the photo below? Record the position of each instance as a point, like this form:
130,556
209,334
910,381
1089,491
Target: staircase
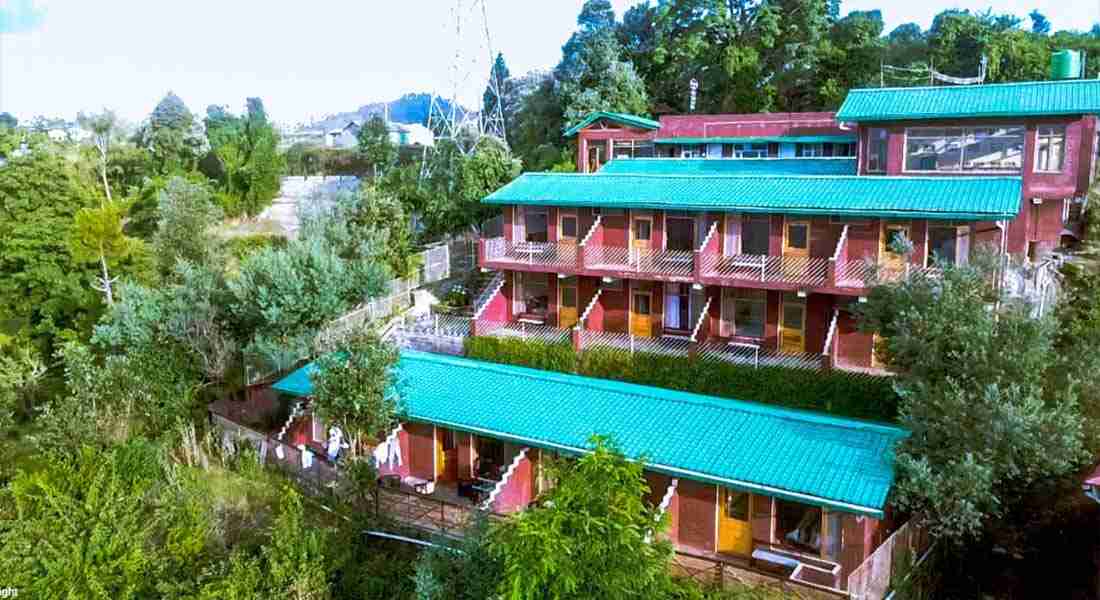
488,504
491,287
295,411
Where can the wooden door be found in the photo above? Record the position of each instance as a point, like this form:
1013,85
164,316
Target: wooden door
446,457
792,326
567,302
796,239
888,258
640,311
734,529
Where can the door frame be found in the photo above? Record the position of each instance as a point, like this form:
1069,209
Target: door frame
562,286
782,321
634,218
720,516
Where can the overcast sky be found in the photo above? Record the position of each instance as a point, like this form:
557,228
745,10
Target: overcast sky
310,58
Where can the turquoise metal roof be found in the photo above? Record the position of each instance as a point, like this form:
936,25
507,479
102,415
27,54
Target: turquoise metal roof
956,198
789,139
1033,98
828,461
730,166
623,118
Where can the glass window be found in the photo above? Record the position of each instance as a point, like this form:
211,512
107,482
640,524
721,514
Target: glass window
996,149
643,230
1050,148
569,226
641,304
942,245
833,529
877,146
692,151
755,231
809,150
535,222
448,440
632,149
568,287
798,236
798,525
536,292
737,505
749,308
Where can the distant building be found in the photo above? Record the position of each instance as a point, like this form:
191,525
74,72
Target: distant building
347,135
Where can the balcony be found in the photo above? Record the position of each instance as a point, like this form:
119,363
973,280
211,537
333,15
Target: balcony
707,265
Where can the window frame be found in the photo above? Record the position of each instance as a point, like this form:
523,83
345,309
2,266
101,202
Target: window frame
962,170
1039,136
884,156
761,299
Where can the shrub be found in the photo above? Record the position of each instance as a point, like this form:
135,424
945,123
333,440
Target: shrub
834,392
243,246
525,353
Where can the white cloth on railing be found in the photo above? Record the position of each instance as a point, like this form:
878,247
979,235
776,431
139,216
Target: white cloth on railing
335,442
672,310
380,453
307,456
393,452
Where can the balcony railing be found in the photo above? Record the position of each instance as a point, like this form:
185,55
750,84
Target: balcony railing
794,270
557,255
679,264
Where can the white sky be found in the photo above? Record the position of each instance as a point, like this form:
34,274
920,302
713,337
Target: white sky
311,58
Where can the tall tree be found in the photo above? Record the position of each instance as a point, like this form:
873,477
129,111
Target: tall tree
104,127
500,88
244,158
354,387
988,429
8,121
173,135
1040,25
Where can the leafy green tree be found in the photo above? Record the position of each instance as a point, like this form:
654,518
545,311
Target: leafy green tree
20,370
988,429
81,527
42,285
8,121
375,145
186,225
173,136
244,158
592,74
594,536
98,237
535,134
500,78
353,387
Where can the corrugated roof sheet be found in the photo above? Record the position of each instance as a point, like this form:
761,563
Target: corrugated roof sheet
623,118
957,198
1034,98
817,459
730,166
790,139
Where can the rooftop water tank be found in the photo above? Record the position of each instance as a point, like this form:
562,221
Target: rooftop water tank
1066,64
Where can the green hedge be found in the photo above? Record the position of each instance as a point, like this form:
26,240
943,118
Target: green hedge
243,246
835,392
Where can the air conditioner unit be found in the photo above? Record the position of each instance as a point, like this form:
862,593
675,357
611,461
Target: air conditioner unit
1036,201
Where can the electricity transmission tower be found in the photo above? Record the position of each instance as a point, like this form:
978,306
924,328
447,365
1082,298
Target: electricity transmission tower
473,57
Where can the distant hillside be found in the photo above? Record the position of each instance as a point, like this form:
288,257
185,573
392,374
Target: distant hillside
410,108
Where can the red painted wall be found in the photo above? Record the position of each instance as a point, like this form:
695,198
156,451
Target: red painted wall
819,313
751,124
614,314
698,503
761,520
596,134
615,232
508,216
854,348
421,456
499,308
519,490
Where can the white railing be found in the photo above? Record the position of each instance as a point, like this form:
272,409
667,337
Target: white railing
495,285
546,254
751,354
626,342
588,309
703,316
797,270
453,326
710,234
591,230
841,244
674,263
827,349
488,504
523,331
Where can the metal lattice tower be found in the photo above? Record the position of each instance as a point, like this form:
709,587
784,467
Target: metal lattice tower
473,58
